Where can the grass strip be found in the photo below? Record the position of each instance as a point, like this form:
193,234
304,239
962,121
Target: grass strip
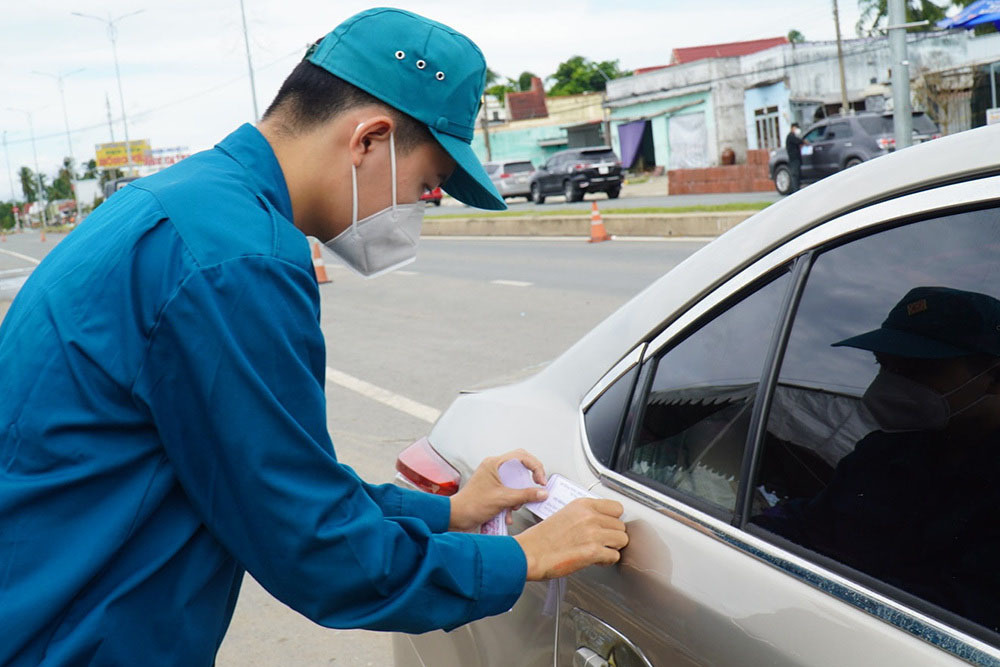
643,210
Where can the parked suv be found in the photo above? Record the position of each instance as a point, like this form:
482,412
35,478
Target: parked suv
576,171
511,178
839,142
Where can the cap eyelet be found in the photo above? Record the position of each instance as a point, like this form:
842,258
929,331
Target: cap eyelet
400,55
439,76
421,64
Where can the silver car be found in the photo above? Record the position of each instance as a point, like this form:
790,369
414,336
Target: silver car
511,178
801,421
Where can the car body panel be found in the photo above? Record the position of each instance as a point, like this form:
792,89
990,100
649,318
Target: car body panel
604,174
716,594
511,178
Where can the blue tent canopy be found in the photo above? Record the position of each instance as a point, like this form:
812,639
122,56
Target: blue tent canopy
978,13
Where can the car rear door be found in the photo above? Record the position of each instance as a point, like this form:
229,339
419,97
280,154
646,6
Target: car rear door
742,404
809,156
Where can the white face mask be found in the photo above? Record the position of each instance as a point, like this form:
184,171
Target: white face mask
383,241
900,404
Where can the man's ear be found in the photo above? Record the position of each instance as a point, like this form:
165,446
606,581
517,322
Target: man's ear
367,135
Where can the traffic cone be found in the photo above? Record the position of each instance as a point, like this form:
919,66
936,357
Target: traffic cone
318,266
43,233
597,231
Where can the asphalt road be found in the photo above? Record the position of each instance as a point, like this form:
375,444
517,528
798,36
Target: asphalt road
465,313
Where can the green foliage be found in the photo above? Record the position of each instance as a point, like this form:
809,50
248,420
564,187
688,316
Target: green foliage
108,175
62,186
29,184
91,170
796,37
579,75
875,14
7,219
500,90
524,81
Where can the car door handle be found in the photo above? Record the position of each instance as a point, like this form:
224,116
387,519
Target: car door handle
848,144
584,657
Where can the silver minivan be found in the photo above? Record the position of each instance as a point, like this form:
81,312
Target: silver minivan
801,421
511,178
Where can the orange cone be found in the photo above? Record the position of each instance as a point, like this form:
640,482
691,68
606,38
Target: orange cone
597,231
43,233
318,266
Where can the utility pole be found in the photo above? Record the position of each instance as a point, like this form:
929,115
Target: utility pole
486,130
113,36
38,173
69,143
902,114
111,126
10,174
246,42
845,104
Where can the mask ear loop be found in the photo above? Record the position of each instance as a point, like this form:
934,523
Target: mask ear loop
392,162
354,195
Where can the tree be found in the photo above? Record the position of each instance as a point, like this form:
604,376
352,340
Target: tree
29,184
875,14
7,220
579,75
90,171
62,186
108,175
796,37
524,81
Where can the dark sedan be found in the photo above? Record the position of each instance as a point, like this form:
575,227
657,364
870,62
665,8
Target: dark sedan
577,171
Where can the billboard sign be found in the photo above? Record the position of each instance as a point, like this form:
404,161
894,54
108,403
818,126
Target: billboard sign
115,154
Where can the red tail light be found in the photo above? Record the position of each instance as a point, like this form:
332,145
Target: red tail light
505,175
581,166
423,467
885,143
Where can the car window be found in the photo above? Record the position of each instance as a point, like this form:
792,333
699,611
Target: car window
491,168
876,124
695,411
605,417
518,167
815,134
599,155
838,131
880,450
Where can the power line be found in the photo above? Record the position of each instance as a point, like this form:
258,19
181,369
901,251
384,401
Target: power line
166,105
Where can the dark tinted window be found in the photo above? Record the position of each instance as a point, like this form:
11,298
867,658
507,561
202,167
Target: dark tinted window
518,167
696,411
603,419
881,449
838,131
815,134
599,155
884,124
492,168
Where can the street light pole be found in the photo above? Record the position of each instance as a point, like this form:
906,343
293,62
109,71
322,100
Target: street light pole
246,42
113,36
10,174
845,104
69,142
38,173
902,114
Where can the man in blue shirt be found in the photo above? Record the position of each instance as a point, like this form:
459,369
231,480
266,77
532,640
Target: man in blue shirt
163,427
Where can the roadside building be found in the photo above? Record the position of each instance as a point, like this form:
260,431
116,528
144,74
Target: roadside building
538,125
744,96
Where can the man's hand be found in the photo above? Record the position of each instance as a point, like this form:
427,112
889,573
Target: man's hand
484,495
588,531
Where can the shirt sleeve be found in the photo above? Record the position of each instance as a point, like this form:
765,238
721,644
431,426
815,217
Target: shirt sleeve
394,501
232,378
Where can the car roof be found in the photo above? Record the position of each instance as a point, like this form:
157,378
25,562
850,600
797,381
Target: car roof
957,157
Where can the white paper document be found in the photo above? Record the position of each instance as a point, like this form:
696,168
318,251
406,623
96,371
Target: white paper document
561,491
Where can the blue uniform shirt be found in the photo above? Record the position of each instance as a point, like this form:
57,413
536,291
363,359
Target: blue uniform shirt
163,428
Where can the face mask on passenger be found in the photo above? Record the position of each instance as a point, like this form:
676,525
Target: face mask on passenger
384,241
900,404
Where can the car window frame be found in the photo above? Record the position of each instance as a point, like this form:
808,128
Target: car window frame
909,616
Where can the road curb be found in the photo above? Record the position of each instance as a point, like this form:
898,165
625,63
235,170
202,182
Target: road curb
639,224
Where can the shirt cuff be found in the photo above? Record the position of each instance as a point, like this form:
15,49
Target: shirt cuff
503,572
432,509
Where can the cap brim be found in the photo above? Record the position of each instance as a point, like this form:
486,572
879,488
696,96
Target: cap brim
903,344
469,183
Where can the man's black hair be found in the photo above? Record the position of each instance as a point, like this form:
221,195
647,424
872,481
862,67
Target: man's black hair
795,124
311,96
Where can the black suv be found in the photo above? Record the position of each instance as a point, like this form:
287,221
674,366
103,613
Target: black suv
839,142
576,171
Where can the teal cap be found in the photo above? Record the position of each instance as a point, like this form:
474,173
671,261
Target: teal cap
424,69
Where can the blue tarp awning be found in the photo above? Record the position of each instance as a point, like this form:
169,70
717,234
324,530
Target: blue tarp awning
978,13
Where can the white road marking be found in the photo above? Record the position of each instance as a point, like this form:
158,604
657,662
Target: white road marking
571,239
383,396
20,256
512,283
9,272
401,272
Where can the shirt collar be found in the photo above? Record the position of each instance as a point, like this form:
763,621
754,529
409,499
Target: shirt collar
252,151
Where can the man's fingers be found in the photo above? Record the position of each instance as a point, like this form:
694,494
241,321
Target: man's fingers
604,506
529,461
519,497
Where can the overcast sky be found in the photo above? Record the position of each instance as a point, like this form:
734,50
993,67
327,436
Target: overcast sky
184,70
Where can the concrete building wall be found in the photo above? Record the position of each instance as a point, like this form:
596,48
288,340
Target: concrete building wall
762,97
659,112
